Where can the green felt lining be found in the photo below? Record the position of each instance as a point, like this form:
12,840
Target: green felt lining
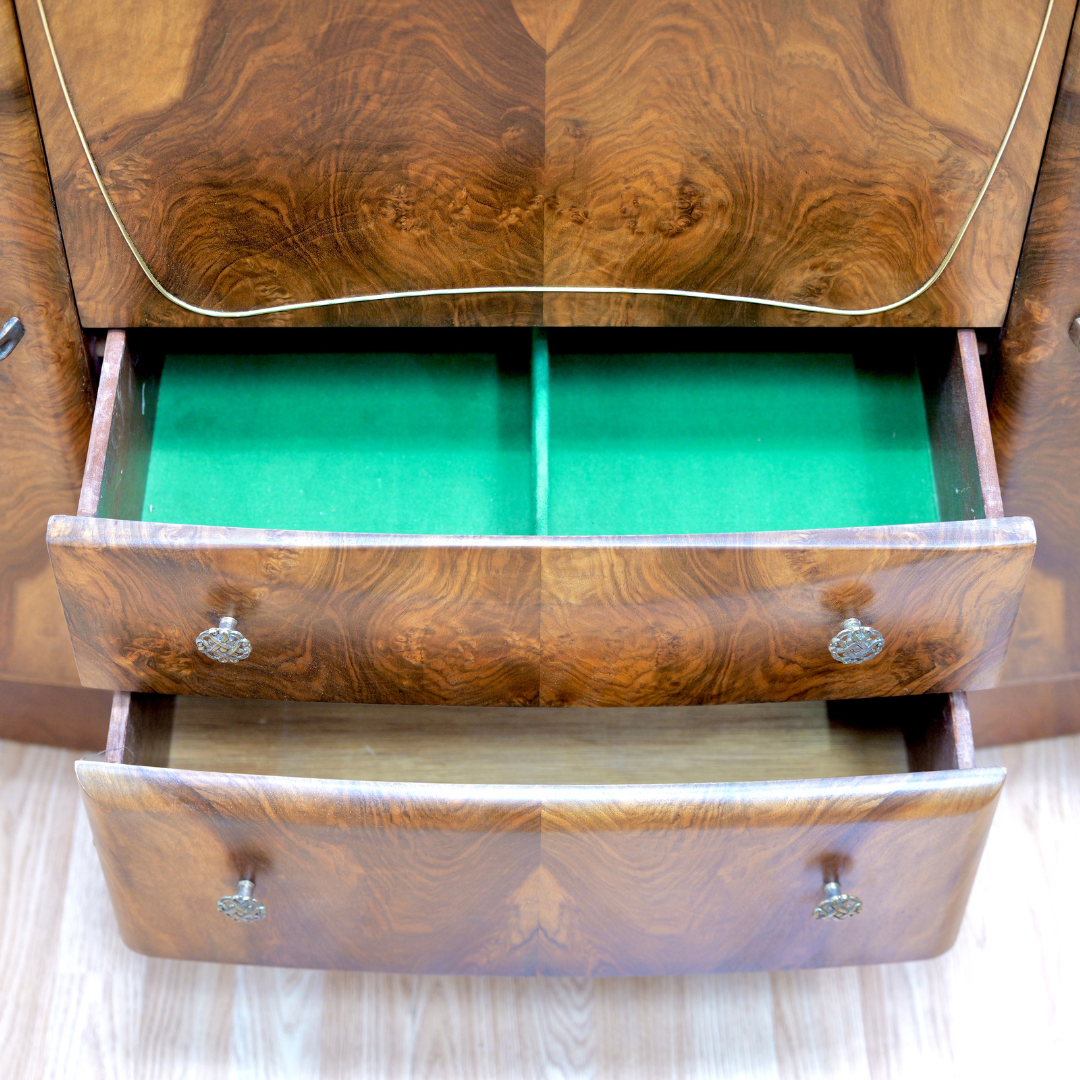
693,443
409,443
590,443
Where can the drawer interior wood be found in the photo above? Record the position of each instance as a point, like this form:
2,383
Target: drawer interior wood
799,740
580,433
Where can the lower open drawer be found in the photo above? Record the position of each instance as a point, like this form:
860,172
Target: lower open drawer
525,841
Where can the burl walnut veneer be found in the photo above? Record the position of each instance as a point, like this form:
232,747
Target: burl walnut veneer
541,620
263,153
579,875
45,395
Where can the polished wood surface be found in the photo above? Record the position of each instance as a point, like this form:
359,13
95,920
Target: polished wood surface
437,620
824,155
1035,410
436,744
675,621
364,876
596,879
745,155
71,716
45,403
539,620
965,472
989,482
327,147
115,474
1003,1001
332,616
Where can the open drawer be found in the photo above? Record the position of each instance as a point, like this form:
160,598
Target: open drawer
590,519
561,842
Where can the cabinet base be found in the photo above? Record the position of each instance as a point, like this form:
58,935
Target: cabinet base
1011,714
68,716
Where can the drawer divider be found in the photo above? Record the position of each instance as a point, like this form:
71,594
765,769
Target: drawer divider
541,423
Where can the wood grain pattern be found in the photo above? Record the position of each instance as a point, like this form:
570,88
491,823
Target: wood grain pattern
954,394
45,405
37,804
990,485
690,621
825,154
436,744
937,735
733,147
411,157
1035,412
332,616
77,1000
358,875
675,881
553,878
642,621
539,620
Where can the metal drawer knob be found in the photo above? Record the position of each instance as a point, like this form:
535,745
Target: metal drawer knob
856,644
10,335
224,643
837,905
243,907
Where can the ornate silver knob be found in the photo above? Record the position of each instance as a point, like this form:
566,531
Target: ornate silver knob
856,644
224,643
837,905
243,907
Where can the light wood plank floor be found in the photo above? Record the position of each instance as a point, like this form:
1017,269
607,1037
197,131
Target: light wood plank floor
74,1003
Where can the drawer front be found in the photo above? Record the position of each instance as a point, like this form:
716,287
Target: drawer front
540,620
618,880
330,617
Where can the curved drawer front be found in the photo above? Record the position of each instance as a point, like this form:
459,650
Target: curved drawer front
540,620
558,880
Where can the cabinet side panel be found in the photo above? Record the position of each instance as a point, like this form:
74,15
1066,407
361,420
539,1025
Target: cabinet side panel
1035,416
70,716
45,403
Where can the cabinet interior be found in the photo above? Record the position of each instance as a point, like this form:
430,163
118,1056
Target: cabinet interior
564,432
441,744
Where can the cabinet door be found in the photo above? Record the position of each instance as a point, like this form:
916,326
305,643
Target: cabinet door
45,404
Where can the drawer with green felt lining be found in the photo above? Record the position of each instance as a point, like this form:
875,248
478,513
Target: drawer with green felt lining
514,517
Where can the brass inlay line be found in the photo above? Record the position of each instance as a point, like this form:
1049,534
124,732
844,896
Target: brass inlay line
489,289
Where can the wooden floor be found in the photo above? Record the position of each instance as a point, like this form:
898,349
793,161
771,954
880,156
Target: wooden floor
75,1003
